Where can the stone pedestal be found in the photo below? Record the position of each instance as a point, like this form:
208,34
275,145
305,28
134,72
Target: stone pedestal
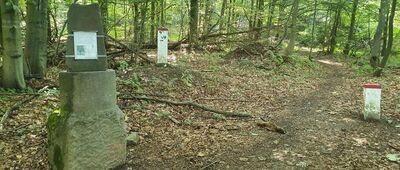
89,131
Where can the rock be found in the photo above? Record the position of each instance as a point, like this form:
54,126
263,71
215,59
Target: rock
132,139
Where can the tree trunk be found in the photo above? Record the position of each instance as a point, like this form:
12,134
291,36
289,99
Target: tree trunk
293,31
143,16
207,17
152,24
376,42
335,27
104,13
350,36
260,18
313,29
378,72
36,39
13,76
221,22
270,16
162,17
193,22
136,26
385,34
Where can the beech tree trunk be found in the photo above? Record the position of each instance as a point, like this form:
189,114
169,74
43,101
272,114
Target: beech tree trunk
13,76
104,13
335,27
293,31
388,50
193,22
350,36
36,38
376,42
270,16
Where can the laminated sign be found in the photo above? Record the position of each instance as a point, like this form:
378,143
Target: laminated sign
85,45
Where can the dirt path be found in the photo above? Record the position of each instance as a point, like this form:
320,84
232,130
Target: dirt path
321,134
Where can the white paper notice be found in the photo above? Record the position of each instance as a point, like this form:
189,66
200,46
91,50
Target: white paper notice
85,45
162,46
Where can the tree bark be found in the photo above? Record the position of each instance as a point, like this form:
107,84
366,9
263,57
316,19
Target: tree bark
335,26
293,31
13,76
388,50
221,22
350,36
376,42
104,13
193,22
36,39
152,24
270,16
260,18
313,29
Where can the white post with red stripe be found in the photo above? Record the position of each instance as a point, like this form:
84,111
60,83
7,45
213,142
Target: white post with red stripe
372,101
162,46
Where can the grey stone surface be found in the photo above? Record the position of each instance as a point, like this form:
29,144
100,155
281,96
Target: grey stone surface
89,132
85,18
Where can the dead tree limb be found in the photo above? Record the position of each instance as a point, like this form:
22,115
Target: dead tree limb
125,47
17,105
189,103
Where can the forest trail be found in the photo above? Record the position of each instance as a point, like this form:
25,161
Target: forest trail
321,134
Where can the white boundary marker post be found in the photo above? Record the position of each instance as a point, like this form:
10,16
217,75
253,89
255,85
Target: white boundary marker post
162,46
372,101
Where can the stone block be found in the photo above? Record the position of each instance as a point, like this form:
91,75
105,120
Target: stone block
89,131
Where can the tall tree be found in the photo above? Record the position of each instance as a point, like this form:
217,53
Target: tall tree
104,13
13,76
36,38
313,29
271,10
376,42
350,35
260,18
221,18
335,27
389,47
292,32
193,22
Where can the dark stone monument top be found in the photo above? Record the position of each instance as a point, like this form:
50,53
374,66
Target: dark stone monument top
86,41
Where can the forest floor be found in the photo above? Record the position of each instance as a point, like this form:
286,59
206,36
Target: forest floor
318,104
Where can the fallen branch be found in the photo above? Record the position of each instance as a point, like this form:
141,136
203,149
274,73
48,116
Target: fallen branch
17,105
125,47
189,103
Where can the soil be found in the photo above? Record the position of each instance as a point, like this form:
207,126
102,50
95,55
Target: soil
320,110
324,130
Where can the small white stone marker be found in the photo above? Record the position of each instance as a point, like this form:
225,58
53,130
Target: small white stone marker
372,101
162,46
